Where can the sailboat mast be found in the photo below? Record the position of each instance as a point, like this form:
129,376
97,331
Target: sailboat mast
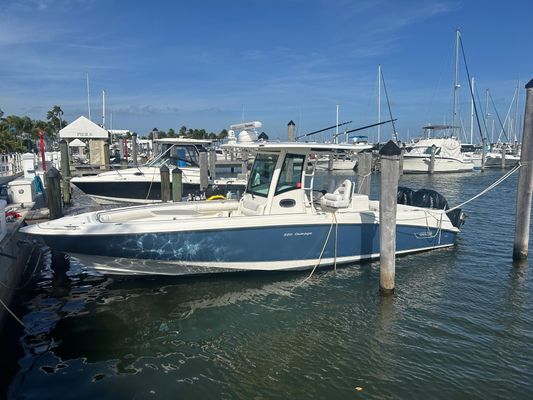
88,97
456,79
487,113
516,126
472,115
337,126
103,109
379,103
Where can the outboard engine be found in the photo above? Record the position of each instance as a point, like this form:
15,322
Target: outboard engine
405,195
428,198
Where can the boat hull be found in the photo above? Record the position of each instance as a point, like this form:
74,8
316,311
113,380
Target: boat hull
420,164
241,249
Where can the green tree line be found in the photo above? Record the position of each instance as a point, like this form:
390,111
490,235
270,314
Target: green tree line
188,133
18,134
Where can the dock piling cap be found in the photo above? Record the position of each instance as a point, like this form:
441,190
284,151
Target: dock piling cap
390,149
52,173
529,84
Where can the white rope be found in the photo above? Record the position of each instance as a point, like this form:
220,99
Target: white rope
12,313
490,187
333,219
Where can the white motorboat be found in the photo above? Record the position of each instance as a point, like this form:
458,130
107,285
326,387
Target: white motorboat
448,156
143,184
281,223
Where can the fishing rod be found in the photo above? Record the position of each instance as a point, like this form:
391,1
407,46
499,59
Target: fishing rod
322,130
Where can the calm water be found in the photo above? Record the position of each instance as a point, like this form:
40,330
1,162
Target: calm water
460,325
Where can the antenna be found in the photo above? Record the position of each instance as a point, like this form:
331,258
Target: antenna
88,98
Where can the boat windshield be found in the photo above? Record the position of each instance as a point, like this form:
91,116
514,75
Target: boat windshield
177,156
290,177
261,175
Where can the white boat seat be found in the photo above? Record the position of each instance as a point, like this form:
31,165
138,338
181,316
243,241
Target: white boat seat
340,198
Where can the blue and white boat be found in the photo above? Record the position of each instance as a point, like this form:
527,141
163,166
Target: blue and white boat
280,223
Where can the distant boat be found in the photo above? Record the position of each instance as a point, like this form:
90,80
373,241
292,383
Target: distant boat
448,155
280,224
143,184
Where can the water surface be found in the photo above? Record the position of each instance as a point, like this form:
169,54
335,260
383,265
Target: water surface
460,324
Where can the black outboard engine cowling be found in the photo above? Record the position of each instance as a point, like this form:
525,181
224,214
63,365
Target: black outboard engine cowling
405,195
428,198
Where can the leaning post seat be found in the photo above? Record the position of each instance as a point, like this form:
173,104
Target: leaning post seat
340,198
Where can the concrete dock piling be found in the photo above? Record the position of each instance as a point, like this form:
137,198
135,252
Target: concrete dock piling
390,163
525,182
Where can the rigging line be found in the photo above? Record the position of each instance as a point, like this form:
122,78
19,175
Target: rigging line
508,117
498,116
394,133
470,86
490,187
482,112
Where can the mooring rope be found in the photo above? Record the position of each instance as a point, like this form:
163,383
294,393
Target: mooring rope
490,187
333,220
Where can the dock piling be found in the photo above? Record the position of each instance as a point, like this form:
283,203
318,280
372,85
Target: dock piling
364,169
134,150
165,183
53,193
390,162
503,158
400,172
177,189
483,153
204,170
212,163
432,160
65,170
525,182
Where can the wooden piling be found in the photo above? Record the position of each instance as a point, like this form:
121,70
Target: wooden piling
431,169
525,182
503,158
212,163
331,158
204,177
65,170
165,183
177,181
107,160
364,169
390,162
401,160
290,131
53,193
134,150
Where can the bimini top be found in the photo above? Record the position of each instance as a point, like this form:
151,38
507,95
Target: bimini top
182,140
310,146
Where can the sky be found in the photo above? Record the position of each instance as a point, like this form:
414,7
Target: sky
207,64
